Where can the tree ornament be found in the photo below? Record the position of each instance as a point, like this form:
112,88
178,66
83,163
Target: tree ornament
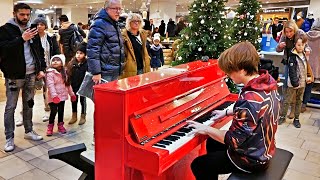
179,58
235,25
211,28
202,21
219,21
241,16
209,1
245,34
190,24
202,5
199,49
256,28
248,13
194,5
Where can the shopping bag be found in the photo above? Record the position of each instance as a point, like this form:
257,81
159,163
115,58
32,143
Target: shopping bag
86,88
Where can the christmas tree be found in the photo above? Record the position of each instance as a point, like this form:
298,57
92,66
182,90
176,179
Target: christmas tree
246,25
206,34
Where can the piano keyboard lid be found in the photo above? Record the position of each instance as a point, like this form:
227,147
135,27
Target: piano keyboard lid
151,123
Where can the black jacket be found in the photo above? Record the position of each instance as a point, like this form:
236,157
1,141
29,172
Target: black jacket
13,63
77,75
54,47
66,31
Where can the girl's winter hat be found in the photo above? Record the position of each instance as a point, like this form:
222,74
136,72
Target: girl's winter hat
156,36
61,57
41,19
83,48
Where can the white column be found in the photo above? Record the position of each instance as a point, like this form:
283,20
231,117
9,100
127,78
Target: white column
6,11
314,7
167,10
76,15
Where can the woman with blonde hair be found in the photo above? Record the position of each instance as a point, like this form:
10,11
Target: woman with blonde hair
290,34
137,59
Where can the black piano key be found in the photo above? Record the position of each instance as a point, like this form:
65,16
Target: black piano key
179,134
224,105
185,130
164,142
172,138
160,145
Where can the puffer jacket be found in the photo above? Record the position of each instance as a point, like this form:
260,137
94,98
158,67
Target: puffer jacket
105,50
56,86
130,68
314,43
297,76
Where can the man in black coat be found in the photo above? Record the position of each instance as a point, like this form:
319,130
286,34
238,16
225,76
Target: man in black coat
22,62
276,27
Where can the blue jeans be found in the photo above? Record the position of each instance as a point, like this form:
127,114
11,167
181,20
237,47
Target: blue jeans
307,93
28,90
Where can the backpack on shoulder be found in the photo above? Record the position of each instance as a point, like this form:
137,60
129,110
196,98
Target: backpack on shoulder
75,40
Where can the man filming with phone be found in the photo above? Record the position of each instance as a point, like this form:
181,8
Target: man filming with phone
22,61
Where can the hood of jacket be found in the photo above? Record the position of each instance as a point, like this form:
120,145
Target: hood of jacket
65,25
264,82
313,35
13,22
295,52
52,70
102,14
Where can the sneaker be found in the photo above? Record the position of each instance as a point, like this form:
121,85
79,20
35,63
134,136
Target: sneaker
281,120
296,123
9,145
19,122
45,118
32,135
61,129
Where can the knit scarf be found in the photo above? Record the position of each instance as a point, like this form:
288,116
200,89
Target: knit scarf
155,48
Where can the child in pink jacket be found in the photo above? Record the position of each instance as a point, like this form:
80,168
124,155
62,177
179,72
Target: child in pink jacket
58,90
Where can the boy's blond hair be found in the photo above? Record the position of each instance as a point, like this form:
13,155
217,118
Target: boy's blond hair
240,56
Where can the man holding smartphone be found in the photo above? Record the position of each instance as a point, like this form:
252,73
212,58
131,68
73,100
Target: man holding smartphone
22,62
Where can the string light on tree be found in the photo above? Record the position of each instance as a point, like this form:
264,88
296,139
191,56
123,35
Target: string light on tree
203,28
246,22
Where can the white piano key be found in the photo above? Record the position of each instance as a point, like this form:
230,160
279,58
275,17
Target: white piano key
189,136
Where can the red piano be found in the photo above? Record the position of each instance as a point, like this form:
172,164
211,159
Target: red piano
140,122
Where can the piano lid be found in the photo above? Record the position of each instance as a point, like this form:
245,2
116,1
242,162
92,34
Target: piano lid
150,123
139,81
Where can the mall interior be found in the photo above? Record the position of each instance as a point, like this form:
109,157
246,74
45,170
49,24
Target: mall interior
112,143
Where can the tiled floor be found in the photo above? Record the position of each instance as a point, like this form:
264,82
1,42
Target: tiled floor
30,160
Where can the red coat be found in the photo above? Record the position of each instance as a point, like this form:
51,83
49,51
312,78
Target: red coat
56,86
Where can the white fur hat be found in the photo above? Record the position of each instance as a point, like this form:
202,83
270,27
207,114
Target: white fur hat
156,36
60,56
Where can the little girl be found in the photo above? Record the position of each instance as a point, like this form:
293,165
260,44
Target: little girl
156,54
76,70
58,90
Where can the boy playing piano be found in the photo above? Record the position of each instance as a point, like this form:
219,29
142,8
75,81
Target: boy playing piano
249,144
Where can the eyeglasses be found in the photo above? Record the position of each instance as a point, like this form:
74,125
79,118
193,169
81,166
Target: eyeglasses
116,9
136,21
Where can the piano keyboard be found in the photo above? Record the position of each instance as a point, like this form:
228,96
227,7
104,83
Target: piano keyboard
185,134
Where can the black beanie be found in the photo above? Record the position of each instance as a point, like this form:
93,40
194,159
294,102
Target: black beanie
83,48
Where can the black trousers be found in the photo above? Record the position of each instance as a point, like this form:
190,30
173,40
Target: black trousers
83,105
215,162
54,109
